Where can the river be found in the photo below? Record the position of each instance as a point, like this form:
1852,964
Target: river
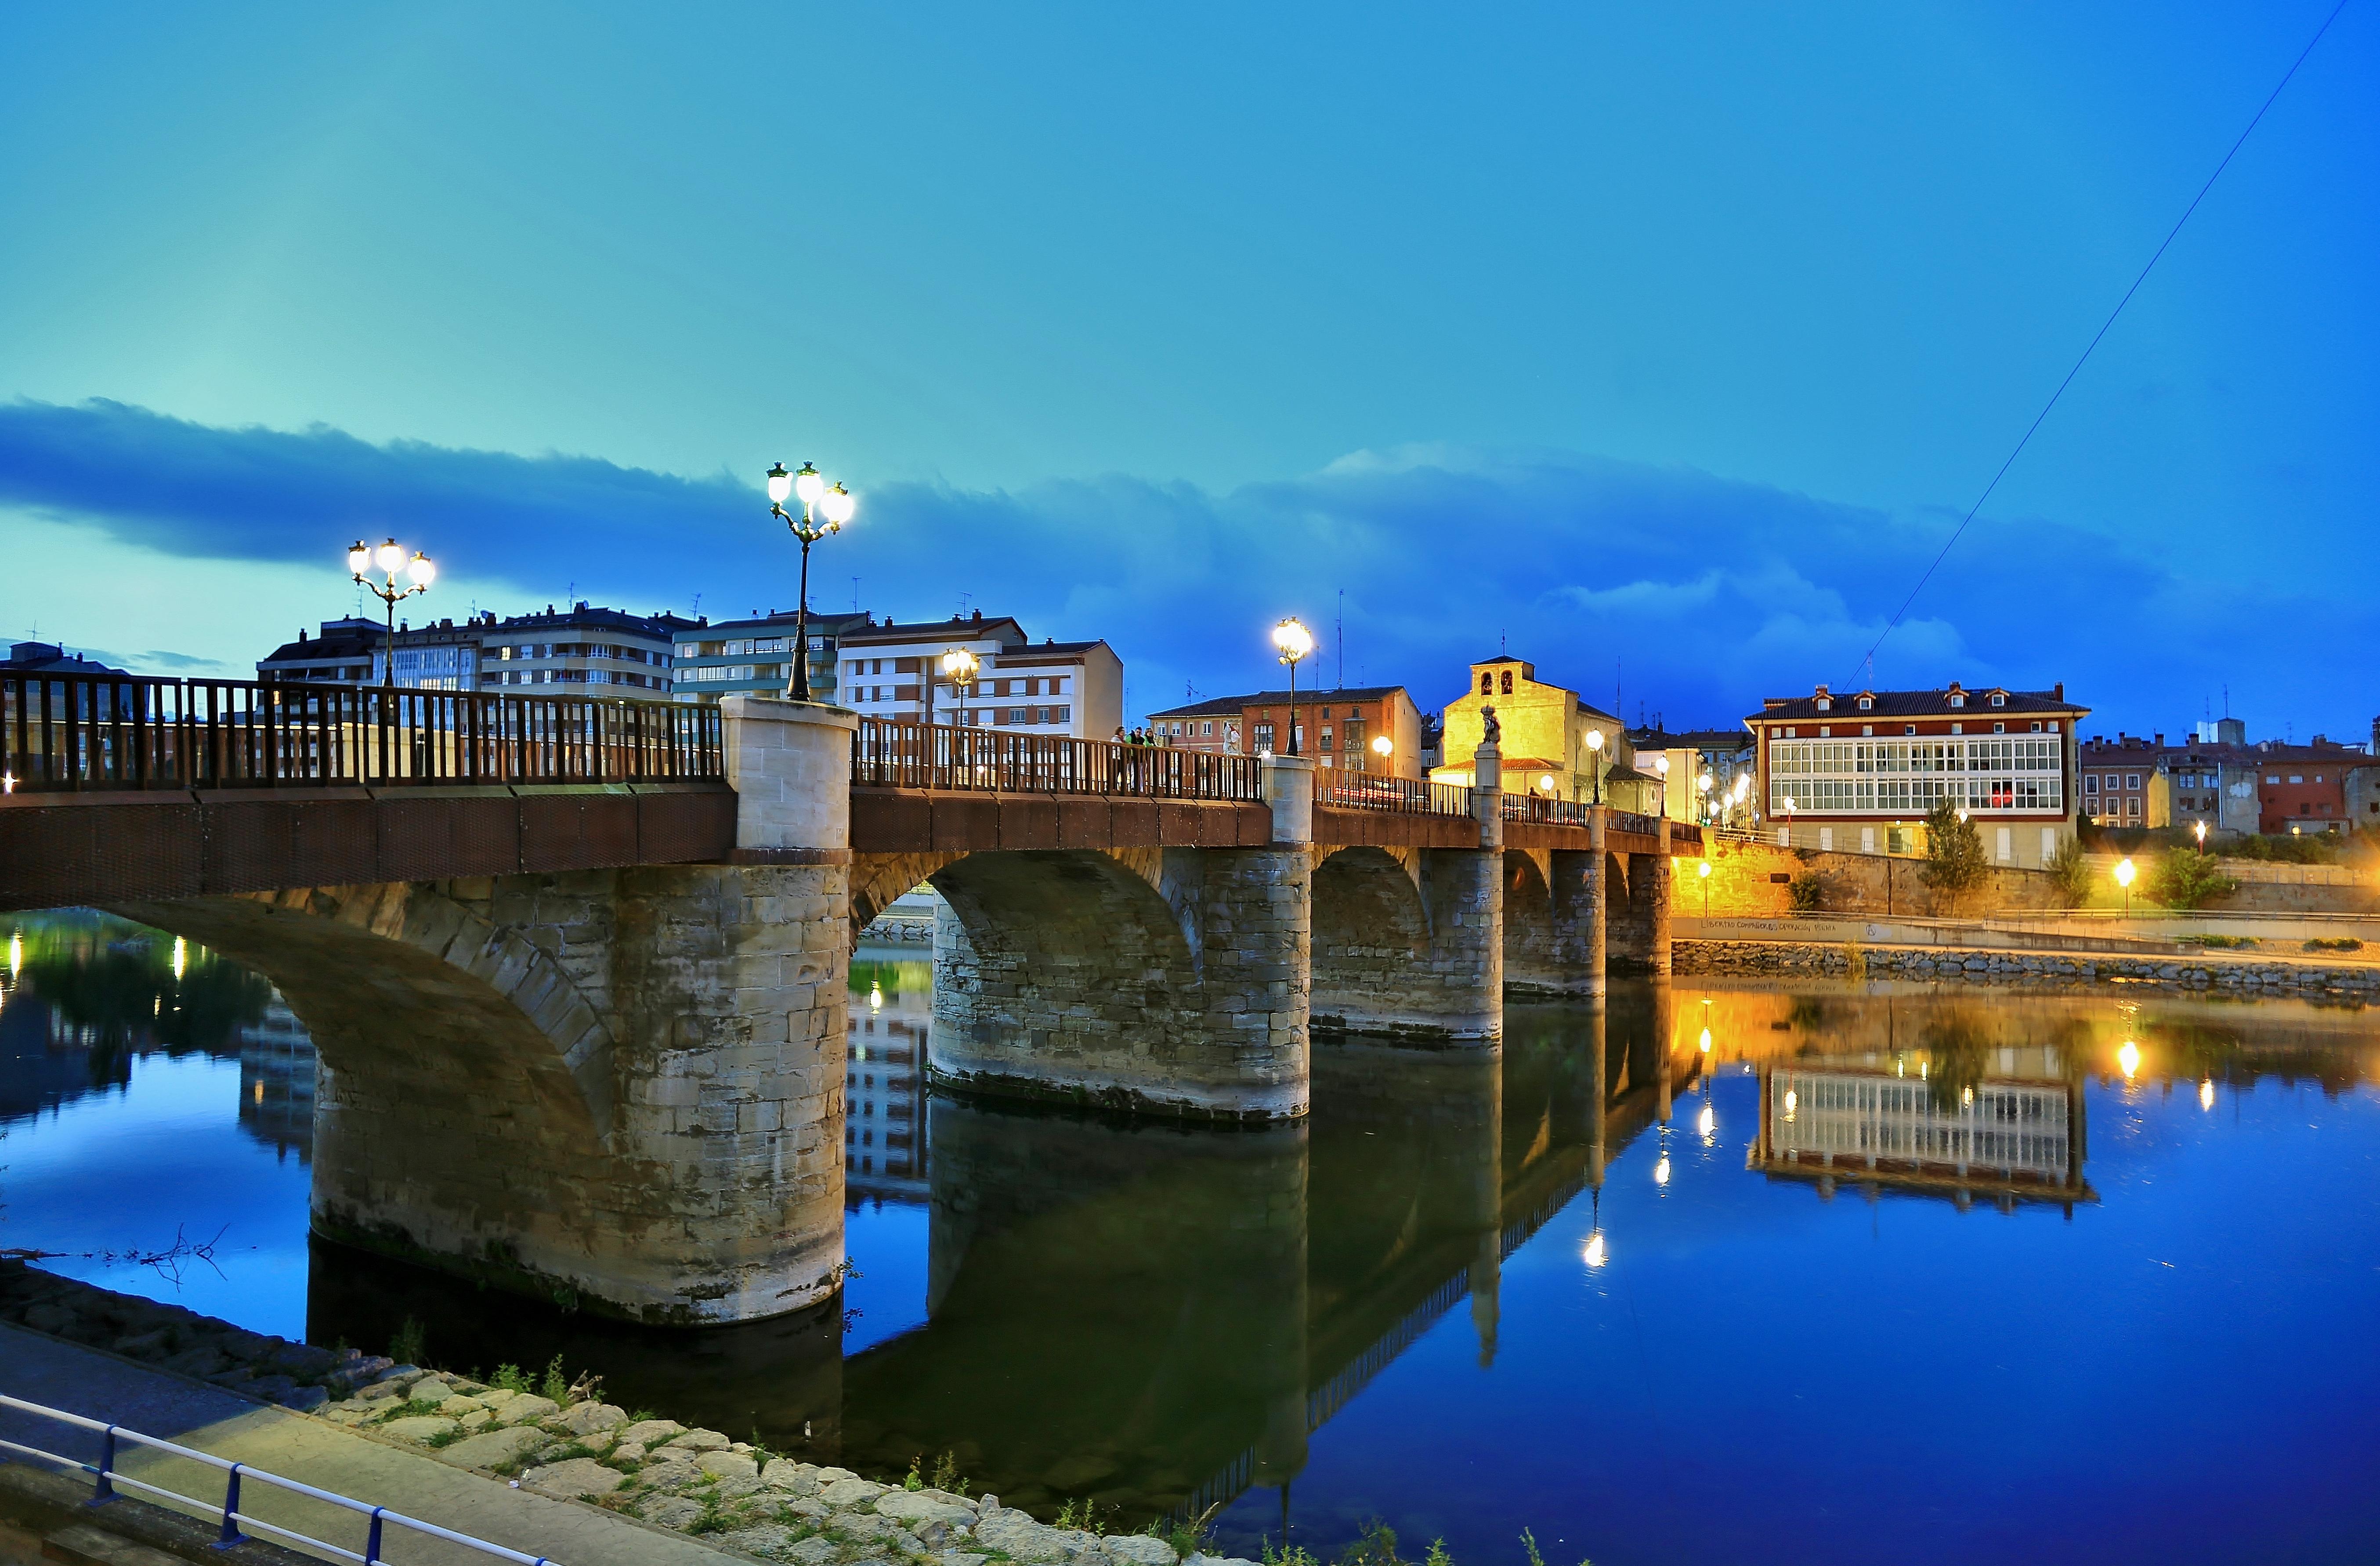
2105,1293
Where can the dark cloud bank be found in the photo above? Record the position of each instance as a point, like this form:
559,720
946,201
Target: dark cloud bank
1705,593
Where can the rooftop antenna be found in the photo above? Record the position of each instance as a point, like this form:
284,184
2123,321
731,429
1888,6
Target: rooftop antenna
854,595
697,609
1343,638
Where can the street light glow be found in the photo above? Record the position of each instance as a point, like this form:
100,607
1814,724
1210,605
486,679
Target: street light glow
808,483
358,558
2128,1058
419,570
1294,639
389,558
1596,1254
2124,873
780,484
836,506
1382,744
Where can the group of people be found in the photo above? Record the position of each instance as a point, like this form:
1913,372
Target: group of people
1137,736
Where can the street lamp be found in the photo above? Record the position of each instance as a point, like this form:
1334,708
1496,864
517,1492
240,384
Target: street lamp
389,559
2200,828
819,500
1702,873
1294,641
2124,873
1595,757
1384,748
960,668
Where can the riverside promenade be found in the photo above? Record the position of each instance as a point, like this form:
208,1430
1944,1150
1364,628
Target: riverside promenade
98,1385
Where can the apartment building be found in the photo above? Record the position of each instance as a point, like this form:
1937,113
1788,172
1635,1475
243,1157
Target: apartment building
1860,771
2116,778
343,653
581,650
754,656
1721,755
1070,690
1339,728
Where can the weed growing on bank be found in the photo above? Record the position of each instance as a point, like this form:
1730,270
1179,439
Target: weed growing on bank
1376,1546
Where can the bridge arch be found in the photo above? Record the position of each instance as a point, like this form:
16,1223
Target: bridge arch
466,1112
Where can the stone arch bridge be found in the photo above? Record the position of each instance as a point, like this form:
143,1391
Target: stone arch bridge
577,970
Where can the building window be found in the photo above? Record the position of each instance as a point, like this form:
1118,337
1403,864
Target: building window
1866,702
1487,684
1507,682
2000,728
1261,733
2090,782
1999,701
1909,728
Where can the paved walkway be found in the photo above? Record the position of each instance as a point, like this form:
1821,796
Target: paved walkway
98,1386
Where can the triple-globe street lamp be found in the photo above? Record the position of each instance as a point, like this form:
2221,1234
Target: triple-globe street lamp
960,667
390,559
1594,760
819,500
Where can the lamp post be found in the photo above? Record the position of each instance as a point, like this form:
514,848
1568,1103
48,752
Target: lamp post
1384,748
1594,759
389,559
960,667
1702,873
819,500
2124,873
2199,828
1293,642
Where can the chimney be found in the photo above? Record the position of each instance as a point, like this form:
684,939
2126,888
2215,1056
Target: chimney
2160,739
2058,691
1954,684
2376,722
1822,690
978,617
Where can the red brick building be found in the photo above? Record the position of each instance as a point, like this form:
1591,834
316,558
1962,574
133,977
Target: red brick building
1337,728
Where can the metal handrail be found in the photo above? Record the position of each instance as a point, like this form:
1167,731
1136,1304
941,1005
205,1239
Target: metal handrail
892,753
1406,796
74,732
107,1477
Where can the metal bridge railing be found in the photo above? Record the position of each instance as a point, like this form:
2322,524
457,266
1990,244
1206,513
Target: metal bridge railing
888,753
1404,796
107,1478
76,731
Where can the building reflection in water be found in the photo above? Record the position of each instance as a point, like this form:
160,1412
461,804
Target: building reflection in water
276,1082
884,1130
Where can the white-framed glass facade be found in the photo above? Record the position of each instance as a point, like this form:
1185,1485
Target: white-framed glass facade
2020,772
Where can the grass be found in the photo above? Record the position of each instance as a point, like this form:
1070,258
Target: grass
410,1343
2225,942
1086,1518
947,1477
2334,943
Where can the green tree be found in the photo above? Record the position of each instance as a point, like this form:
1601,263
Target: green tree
1954,852
2186,878
2071,872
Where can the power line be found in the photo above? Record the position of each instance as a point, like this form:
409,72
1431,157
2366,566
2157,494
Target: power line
1895,623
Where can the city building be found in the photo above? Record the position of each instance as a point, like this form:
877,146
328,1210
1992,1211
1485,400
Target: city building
2302,788
1545,747
1860,771
753,657
1064,690
2201,783
585,651
344,652
49,658
2115,776
884,1080
1336,728
1723,755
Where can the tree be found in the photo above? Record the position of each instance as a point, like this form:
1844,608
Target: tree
2071,872
2186,878
1954,852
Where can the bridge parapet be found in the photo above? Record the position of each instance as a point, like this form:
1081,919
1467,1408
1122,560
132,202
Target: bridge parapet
80,733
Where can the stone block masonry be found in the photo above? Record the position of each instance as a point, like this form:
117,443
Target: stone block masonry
2350,985
1411,945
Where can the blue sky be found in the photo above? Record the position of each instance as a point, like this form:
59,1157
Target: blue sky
1662,345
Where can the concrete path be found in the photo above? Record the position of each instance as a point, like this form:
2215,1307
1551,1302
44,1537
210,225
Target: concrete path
100,1385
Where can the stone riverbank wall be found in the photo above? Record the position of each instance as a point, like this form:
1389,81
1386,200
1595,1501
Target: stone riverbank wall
2231,976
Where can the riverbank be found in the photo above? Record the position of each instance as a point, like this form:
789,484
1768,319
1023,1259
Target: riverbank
559,1440
2316,981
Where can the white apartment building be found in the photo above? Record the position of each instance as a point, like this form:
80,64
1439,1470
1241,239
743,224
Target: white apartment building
1069,690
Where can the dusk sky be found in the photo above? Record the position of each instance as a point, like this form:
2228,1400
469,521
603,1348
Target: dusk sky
1663,346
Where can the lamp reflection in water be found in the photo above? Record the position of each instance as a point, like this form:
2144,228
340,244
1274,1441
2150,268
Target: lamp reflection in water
875,997
2206,1093
181,957
2128,1058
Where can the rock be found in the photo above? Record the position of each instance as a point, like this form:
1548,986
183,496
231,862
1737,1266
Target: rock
1016,1533
48,1317
793,1478
492,1449
460,1405
765,1539
1219,1560
524,1409
668,1473
816,1550
473,1419
416,1427
698,1440
350,1417
728,1465
1138,1549
651,1432
628,1452
864,1526
673,1511
736,1489
960,1558
154,1345
203,1362
829,1476
577,1477
381,1390
586,1418
273,1388
849,1492
916,1507
932,1534
430,1389
306,1399
808,1507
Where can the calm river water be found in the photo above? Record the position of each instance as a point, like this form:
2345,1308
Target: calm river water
2107,1291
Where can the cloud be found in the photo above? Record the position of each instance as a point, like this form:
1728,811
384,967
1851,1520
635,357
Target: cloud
1696,595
